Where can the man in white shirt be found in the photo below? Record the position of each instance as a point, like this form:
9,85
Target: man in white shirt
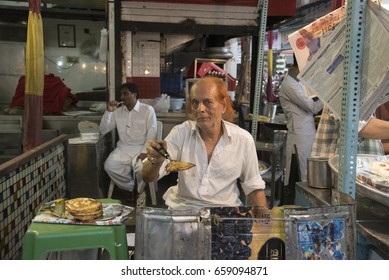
221,151
136,124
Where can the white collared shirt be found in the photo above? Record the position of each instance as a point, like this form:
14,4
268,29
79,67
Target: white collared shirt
215,183
135,127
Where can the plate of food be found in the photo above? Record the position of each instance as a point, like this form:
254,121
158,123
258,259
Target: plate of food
263,167
83,210
372,178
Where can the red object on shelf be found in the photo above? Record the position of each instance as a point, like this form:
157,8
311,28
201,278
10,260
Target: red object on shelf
207,67
55,94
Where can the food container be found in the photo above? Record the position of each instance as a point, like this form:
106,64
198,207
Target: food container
89,130
90,135
176,104
363,189
270,110
319,173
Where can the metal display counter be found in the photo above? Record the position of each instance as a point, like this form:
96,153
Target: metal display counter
68,124
372,220
86,176
274,176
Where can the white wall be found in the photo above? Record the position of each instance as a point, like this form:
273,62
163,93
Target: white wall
145,54
90,72
85,75
12,61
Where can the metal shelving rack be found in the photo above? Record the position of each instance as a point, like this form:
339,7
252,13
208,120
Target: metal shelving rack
348,145
262,5
356,12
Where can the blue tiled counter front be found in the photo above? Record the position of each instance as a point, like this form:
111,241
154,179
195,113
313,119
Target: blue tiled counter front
26,182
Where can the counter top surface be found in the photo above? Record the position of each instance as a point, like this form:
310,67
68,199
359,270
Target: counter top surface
91,114
372,218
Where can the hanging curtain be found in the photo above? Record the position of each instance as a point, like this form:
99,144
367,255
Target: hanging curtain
33,106
269,88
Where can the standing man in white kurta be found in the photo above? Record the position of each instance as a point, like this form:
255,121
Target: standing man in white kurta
136,124
299,110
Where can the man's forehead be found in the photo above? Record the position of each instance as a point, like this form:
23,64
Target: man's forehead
206,89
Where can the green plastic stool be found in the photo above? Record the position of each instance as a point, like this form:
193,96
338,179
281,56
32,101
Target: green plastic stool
42,238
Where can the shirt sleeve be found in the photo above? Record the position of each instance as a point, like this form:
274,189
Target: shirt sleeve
297,95
251,179
107,123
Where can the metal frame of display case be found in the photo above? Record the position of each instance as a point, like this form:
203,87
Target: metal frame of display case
276,149
356,12
348,144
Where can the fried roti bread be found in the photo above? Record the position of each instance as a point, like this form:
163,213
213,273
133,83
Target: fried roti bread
84,208
59,208
89,216
175,166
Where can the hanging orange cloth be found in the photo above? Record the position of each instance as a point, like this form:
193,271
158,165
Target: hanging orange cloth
33,108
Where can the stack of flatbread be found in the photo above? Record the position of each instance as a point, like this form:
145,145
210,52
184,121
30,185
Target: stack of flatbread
84,209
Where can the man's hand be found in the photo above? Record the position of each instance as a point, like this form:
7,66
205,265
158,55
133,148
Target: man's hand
113,105
261,214
155,160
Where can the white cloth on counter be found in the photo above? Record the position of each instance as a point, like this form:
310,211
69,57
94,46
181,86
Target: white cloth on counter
78,140
135,128
162,104
213,183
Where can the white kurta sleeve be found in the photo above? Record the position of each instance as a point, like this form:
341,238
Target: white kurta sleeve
107,123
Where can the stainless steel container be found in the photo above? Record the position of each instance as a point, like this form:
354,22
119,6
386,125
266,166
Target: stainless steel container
319,174
270,110
163,234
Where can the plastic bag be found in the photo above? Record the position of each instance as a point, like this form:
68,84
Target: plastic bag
103,45
162,104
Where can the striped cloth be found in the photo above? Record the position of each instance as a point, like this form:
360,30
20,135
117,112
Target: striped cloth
326,139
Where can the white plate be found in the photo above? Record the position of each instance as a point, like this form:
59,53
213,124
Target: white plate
263,167
77,113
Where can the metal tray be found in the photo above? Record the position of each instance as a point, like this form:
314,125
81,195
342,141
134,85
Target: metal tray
361,188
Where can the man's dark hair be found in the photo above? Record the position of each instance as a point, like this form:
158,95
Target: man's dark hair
131,87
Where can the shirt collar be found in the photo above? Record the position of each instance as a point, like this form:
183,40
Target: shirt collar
226,132
136,107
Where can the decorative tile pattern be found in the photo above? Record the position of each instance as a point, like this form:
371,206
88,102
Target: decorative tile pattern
22,192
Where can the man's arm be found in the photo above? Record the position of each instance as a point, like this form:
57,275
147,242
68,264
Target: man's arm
154,161
375,129
150,171
107,123
257,198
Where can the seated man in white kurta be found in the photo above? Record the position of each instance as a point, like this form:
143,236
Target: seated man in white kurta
136,124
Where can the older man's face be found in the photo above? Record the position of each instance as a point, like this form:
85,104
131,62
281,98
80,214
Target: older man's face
206,108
